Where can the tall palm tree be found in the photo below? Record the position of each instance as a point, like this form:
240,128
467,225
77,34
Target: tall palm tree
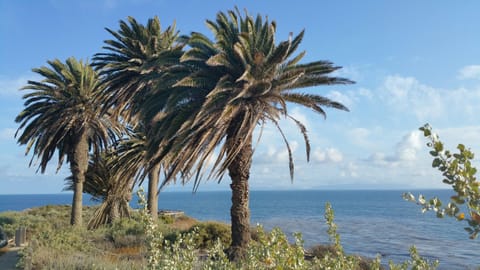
247,81
132,69
109,184
62,115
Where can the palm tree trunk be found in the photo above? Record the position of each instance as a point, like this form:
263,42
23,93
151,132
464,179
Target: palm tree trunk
114,211
239,171
152,201
78,166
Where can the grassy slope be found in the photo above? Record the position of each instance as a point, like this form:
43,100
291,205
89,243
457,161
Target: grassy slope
50,236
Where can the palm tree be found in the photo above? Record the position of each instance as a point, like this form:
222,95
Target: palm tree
246,80
132,70
109,184
62,115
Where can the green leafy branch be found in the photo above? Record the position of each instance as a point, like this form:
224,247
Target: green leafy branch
458,172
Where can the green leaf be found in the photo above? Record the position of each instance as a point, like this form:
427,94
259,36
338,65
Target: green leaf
408,197
436,162
457,200
472,223
438,146
426,132
421,199
448,182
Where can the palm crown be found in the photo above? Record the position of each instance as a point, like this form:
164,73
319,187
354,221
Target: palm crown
247,80
60,108
138,55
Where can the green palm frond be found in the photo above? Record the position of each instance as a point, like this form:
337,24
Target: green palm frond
60,107
136,59
315,102
244,78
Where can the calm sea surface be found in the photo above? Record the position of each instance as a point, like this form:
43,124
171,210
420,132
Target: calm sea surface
370,222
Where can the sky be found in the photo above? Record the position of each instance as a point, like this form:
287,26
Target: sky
414,62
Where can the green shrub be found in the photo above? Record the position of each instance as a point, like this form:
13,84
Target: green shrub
334,258
166,219
124,226
273,251
209,232
415,263
7,222
173,236
319,251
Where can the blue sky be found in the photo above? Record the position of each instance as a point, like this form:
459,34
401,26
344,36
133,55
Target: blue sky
413,62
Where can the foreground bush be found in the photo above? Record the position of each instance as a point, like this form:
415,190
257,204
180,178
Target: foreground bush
458,171
269,251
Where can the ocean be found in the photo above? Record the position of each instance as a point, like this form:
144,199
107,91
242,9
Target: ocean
370,222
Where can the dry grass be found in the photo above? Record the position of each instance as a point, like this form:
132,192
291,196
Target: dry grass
133,253
183,223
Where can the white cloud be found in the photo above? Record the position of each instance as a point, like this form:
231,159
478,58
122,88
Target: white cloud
408,95
351,98
404,155
364,92
274,154
350,170
407,148
329,155
360,137
469,72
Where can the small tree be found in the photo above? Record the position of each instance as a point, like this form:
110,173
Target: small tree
458,172
107,183
62,115
133,68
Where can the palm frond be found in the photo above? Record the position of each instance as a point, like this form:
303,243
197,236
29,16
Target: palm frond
61,106
242,79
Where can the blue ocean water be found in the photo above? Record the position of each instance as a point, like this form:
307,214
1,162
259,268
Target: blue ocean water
370,222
